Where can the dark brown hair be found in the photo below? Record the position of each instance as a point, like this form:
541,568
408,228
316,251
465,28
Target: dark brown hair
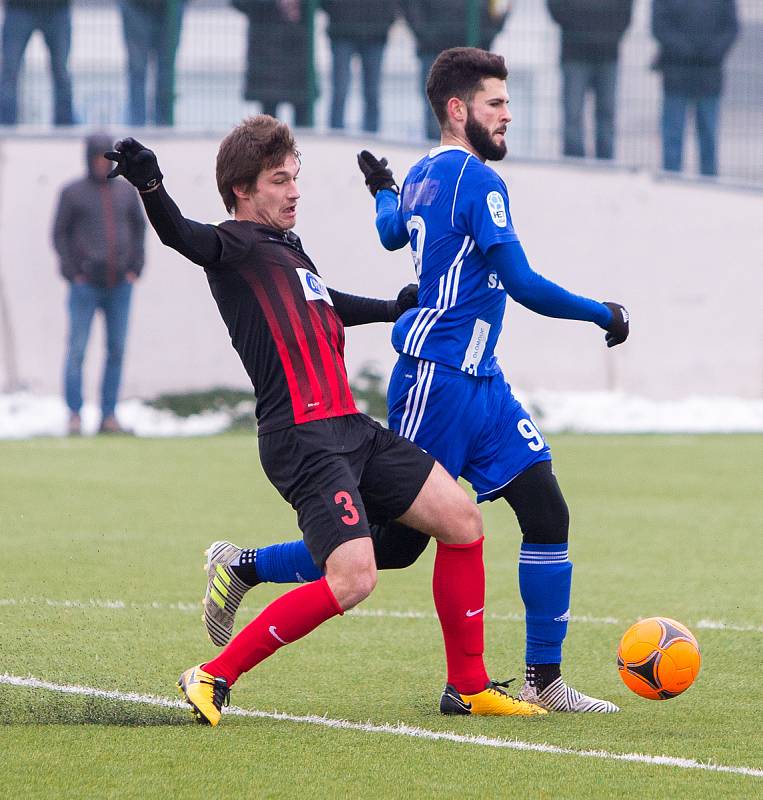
258,143
459,72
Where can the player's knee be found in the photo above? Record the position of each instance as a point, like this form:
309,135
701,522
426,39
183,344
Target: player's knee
467,522
540,507
548,523
359,586
352,586
351,572
551,526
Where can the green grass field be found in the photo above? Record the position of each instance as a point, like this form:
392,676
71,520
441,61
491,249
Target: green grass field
102,543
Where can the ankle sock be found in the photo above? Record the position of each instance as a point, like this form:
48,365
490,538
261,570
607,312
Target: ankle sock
542,675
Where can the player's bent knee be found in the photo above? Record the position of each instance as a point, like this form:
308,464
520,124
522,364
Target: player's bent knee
351,572
355,588
540,507
469,522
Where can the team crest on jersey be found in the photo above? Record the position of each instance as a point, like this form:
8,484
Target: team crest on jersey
313,286
497,208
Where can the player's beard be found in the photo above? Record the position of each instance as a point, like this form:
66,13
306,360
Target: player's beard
479,138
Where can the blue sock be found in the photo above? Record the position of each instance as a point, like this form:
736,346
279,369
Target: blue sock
289,562
545,579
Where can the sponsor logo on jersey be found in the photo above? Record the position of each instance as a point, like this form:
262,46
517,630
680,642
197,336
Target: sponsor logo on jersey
476,348
494,282
497,208
313,286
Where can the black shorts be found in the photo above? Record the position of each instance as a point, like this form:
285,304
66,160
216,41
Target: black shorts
342,474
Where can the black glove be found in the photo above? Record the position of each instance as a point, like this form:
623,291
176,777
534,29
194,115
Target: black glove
407,297
136,163
378,175
619,328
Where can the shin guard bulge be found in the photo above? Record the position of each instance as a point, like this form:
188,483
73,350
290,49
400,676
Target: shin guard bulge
458,585
286,619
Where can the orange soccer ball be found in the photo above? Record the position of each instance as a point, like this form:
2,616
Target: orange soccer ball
658,658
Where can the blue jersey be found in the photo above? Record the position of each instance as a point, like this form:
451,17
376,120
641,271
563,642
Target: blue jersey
453,208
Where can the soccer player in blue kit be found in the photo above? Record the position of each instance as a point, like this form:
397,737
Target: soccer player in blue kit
453,211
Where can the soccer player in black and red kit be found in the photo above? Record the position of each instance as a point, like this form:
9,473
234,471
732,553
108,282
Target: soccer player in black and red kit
338,468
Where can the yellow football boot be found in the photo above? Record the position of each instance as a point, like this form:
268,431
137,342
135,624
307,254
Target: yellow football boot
204,693
492,701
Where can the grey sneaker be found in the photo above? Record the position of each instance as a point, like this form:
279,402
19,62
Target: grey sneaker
557,696
225,591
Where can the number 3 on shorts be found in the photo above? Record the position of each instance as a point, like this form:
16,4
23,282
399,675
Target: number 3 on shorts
532,434
351,517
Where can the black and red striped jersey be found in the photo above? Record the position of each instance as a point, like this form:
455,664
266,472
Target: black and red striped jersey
285,324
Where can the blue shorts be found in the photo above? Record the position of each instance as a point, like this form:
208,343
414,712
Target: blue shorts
473,426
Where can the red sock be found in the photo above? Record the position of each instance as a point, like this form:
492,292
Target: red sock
458,585
290,617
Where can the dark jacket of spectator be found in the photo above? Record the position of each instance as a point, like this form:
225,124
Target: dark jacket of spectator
359,19
440,24
695,37
591,29
99,227
278,52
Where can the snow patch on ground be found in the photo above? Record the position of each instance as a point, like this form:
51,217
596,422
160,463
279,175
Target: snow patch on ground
23,415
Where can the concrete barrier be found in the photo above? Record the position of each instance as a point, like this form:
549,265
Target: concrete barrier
685,258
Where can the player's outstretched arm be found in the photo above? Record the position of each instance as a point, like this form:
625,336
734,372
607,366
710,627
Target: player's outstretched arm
138,165
355,310
381,183
545,297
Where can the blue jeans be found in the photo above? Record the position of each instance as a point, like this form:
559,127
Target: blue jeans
151,34
674,108
18,27
578,78
84,300
371,53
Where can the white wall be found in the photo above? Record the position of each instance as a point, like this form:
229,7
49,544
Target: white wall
685,258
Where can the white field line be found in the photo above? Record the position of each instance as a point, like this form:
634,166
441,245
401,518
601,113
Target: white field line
398,729
123,605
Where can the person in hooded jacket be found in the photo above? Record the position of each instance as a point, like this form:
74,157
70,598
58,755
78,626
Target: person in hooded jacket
98,233
695,37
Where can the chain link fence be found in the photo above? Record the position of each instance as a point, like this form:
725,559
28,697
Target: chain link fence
210,86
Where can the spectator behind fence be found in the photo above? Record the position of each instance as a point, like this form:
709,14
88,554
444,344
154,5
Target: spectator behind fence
695,37
439,25
22,18
98,233
591,31
278,56
357,26
152,33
